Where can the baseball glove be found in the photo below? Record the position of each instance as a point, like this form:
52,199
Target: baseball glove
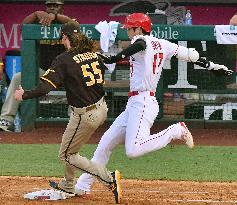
220,69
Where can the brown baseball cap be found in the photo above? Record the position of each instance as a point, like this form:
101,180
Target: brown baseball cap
54,2
71,27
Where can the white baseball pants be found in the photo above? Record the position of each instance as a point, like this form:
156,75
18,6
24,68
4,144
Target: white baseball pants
132,127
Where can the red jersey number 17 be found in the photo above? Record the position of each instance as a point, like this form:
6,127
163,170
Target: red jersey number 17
158,58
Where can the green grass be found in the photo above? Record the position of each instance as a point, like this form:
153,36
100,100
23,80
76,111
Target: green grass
204,163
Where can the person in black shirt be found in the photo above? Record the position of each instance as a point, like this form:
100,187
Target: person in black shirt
81,72
53,14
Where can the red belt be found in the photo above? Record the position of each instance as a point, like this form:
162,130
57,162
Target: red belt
133,93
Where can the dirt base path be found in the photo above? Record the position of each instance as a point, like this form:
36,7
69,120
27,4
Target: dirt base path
136,192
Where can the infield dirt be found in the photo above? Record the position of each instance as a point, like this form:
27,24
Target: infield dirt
135,192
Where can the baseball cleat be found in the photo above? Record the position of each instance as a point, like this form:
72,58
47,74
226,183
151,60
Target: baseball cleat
56,186
82,194
187,136
116,186
7,126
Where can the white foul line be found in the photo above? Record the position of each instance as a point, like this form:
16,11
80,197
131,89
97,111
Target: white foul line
200,200
157,191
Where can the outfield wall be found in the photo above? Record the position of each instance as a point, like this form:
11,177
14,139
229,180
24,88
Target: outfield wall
185,92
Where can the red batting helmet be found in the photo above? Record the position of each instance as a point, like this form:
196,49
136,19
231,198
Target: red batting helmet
138,20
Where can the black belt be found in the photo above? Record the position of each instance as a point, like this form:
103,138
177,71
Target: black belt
88,108
91,107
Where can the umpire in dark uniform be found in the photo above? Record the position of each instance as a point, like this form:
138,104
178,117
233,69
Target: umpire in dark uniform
81,72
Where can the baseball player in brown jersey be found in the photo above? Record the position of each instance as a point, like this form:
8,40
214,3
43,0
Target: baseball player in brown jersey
81,72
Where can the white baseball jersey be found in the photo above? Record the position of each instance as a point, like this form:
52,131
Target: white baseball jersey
146,66
132,126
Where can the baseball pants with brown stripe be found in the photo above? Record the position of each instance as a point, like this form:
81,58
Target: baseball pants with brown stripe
82,124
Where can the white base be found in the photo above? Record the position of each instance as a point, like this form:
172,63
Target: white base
47,194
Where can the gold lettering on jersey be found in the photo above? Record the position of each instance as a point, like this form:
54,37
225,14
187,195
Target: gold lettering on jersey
89,74
75,58
83,57
94,76
97,71
87,56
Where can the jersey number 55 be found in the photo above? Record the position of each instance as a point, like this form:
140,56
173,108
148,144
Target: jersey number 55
95,75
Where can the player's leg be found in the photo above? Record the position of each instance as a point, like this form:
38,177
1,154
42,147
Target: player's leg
78,131
138,139
114,136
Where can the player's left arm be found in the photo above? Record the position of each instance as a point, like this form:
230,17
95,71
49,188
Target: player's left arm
191,55
209,65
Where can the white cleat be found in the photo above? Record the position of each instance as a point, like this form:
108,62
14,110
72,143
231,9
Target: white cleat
81,193
187,136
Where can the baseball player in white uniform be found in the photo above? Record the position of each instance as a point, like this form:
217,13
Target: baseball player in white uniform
132,127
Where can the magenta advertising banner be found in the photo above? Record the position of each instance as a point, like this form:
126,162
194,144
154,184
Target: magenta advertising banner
12,14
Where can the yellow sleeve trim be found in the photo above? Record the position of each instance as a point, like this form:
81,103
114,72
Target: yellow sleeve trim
49,81
1,63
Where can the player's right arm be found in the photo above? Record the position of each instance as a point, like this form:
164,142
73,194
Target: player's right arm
137,46
42,89
50,80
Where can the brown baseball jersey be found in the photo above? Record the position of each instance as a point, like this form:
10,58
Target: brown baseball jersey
82,76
